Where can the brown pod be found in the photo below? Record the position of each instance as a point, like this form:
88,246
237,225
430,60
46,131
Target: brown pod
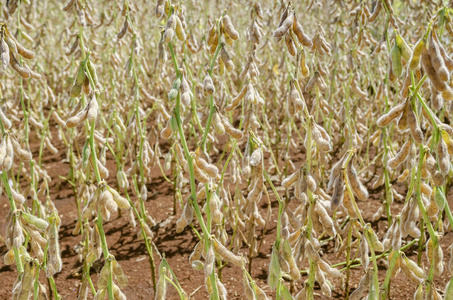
437,60
416,132
436,99
86,85
430,163
22,71
429,69
225,57
123,30
28,54
447,59
377,9
304,39
338,193
406,84
358,188
438,179
401,156
290,45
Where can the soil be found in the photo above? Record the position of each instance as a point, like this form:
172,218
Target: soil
131,253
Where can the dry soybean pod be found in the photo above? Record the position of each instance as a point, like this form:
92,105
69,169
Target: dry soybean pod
227,254
28,54
290,45
22,71
438,84
444,157
414,127
304,39
358,188
391,115
286,25
437,60
400,156
229,28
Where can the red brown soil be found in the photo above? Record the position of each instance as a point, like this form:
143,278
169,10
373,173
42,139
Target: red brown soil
131,252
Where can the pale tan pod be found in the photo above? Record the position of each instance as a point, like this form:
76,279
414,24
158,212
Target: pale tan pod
236,100
55,262
401,156
200,175
311,252
209,261
406,84
296,98
166,131
329,270
403,175
430,163
229,28
210,169
120,201
439,267
49,146
80,117
444,157
196,253
8,259
391,115
107,198
4,53
27,281
426,189
9,157
447,60
290,180
414,278
225,57
233,132
208,85
227,255
362,287
323,144
414,268
325,219
103,171
284,27
21,153
92,110
3,150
